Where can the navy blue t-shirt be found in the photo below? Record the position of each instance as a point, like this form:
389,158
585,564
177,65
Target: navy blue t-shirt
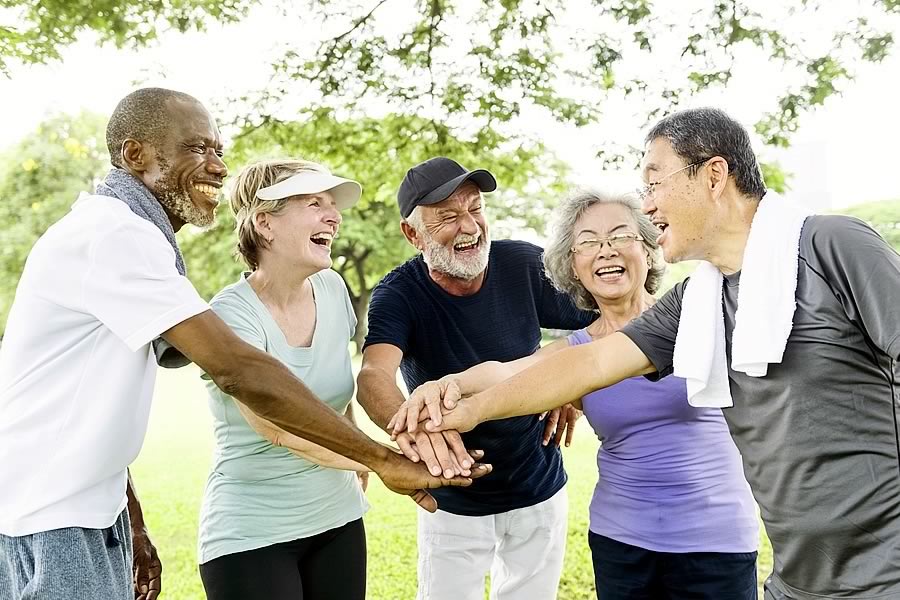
440,334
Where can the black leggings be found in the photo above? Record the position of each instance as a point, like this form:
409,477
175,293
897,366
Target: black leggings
327,566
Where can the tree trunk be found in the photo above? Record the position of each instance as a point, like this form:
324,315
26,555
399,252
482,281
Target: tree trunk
361,308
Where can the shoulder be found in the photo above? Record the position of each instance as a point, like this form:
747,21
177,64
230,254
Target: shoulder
838,238
822,227
516,249
403,276
233,300
331,282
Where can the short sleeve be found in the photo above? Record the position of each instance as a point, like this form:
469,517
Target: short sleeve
240,318
654,331
864,273
132,286
390,317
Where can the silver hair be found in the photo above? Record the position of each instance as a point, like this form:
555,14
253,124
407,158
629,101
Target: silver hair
558,254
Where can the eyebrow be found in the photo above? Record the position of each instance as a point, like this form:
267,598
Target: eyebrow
613,230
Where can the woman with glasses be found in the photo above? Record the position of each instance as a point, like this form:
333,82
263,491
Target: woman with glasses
672,515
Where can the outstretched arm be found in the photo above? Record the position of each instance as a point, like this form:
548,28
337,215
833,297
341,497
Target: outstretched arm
561,378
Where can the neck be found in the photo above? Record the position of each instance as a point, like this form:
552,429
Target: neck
616,315
455,286
279,286
732,229
176,221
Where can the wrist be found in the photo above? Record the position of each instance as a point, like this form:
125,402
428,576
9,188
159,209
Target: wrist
380,460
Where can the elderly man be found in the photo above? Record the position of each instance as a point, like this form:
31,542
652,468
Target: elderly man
77,369
463,301
796,317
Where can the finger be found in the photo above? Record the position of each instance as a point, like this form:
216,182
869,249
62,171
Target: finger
451,395
399,418
560,431
416,404
425,450
424,499
574,415
550,426
455,443
433,403
481,469
441,452
404,442
542,415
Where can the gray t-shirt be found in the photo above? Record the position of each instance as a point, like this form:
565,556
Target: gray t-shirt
819,433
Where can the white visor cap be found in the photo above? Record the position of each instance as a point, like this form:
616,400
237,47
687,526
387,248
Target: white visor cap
346,192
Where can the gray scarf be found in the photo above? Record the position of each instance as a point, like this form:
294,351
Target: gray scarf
123,186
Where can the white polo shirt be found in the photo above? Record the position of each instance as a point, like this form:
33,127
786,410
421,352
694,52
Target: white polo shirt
76,366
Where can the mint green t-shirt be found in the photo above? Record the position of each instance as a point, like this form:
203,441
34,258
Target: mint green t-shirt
258,494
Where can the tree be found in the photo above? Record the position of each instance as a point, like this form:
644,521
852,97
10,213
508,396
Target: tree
377,152
40,178
45,27
883,216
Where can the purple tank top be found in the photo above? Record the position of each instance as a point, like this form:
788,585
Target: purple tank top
670,477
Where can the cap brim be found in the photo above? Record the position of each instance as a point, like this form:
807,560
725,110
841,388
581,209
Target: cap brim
483,179
346,192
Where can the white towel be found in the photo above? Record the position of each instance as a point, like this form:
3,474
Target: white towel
765,308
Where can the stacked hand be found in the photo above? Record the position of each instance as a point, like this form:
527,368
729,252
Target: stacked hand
438,406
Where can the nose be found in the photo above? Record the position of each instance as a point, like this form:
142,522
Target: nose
468,225
216,166
333,216
648,206
606,250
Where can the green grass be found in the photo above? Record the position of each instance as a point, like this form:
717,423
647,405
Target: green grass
171,472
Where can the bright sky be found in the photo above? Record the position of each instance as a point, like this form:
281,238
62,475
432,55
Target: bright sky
840,156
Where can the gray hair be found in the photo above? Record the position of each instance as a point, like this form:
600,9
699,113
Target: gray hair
558,254
698,134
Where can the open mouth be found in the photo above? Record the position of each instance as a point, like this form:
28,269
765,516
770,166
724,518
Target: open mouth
210,191
467,245
322,239
611,273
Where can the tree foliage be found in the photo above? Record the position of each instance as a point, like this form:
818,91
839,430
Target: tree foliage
883,216
376,152
44,28
40,178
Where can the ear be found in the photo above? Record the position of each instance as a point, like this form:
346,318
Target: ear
411,235
263,226
136,156
717,167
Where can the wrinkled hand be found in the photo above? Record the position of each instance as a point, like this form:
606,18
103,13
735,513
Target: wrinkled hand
363,480
432,397
560,421
147,569
402,476
442,452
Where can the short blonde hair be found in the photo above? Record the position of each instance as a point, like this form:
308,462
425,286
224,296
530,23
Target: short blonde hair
245,205
558,258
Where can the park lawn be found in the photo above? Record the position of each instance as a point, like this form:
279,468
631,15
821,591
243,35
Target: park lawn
171,472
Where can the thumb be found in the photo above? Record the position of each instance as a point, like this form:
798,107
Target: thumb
424,499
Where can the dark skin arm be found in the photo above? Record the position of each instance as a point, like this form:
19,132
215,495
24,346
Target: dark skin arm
265,386
146,565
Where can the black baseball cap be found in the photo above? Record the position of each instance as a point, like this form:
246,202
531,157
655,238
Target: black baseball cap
435,180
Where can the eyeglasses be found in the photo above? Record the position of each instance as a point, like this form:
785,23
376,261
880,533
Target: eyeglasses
644,192
616,242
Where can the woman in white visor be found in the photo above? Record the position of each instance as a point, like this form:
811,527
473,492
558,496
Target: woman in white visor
282,517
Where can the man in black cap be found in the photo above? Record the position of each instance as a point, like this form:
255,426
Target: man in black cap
463,301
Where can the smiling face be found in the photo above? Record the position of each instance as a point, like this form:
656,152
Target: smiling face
186,172
679,205
302,232
609,274
453,236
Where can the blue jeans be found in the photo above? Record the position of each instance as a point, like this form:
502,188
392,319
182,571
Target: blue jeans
625,572
68,564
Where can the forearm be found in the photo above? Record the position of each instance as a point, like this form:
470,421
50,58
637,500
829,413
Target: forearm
299,446
379,395
562,377
272,392
135,512
483,376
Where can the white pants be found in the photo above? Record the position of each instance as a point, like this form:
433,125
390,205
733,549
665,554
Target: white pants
523,549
